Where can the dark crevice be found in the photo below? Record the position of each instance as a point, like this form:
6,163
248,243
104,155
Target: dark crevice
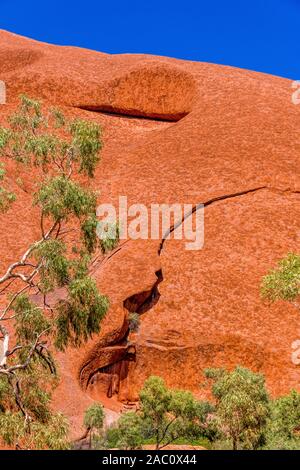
144,301
205,204
111,374
133,113
118,355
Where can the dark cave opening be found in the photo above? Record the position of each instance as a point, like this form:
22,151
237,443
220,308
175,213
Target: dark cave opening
123,353
144,301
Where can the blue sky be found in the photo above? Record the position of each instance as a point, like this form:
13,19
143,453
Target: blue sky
260,35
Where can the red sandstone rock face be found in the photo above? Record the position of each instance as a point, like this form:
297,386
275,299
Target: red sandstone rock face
218,132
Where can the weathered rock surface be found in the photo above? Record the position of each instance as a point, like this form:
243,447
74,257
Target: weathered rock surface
174,131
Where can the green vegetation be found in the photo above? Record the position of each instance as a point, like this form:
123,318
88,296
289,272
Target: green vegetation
165,416
6,197
169,414
93,421
242,416
284,423
109,235
283,283
242,406
63,156
245,417
128,434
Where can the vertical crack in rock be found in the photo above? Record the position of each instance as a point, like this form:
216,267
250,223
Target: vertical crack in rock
144,301
106,371
108,377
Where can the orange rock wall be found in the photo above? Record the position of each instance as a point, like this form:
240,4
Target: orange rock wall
175,131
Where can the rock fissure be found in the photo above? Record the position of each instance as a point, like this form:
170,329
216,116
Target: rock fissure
134,114
144,301
106,371
211,201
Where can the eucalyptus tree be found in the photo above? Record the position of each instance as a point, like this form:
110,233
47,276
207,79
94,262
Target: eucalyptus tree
62,155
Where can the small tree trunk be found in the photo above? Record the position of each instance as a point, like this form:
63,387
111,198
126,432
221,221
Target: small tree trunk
5,343
157,441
